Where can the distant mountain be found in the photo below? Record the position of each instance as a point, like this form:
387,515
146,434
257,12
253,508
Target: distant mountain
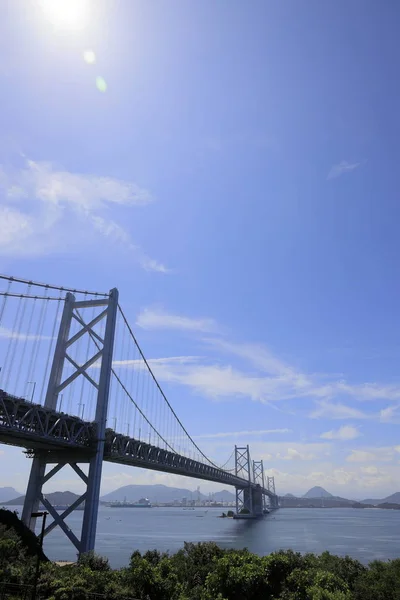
161,493
289,496
64,498
224,496
317,492
132,493
393,499
8,493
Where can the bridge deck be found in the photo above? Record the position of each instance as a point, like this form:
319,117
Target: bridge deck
70,439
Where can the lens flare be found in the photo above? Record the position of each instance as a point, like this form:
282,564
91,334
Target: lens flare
89,57
101,84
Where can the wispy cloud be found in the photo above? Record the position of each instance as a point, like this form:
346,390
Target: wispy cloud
336,410
157,318
131,363
293,454
238,434
42,181
345,481
260,375
340,169
257,354
9,334
43,208
219,381
368,391
180,360
390,414
374,454
346,432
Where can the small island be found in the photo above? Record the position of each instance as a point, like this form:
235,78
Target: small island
229,515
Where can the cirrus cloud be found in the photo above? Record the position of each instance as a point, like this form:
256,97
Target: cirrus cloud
346,432
158,318
44,208
341,168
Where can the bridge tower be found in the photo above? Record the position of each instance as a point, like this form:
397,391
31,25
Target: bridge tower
271,484
244,497
271,488
107,308
258,478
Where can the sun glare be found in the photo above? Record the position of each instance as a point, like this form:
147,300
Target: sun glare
66,14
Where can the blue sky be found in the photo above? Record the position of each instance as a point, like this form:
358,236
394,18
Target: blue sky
237,182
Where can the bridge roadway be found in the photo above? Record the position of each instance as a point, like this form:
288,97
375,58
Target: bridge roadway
66,438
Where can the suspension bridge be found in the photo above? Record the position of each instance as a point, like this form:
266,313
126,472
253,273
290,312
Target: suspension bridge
76,389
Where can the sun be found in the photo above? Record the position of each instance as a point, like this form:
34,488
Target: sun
65,14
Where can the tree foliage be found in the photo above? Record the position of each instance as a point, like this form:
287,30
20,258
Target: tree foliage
202,572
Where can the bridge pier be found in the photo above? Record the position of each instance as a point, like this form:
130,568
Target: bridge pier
252,504
251,499
33,491
257,501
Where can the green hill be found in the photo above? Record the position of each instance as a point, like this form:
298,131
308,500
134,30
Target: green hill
64,498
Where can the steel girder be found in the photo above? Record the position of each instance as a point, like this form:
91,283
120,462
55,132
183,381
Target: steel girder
32,425
123,449
126,450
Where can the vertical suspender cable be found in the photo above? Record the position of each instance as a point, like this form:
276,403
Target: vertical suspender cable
4,302
156,417
124,367
5,372
118,353
28,338
36,343
135,384
81,362
84,360
145,403
19,336
39,341
90,413
11,334
156,404
150,409
50,351
136,396
141,404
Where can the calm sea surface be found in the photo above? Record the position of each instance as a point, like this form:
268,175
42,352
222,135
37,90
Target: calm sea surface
365,534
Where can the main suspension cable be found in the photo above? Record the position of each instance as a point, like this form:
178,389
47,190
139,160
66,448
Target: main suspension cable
162,393
3,305
14,295
52,287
